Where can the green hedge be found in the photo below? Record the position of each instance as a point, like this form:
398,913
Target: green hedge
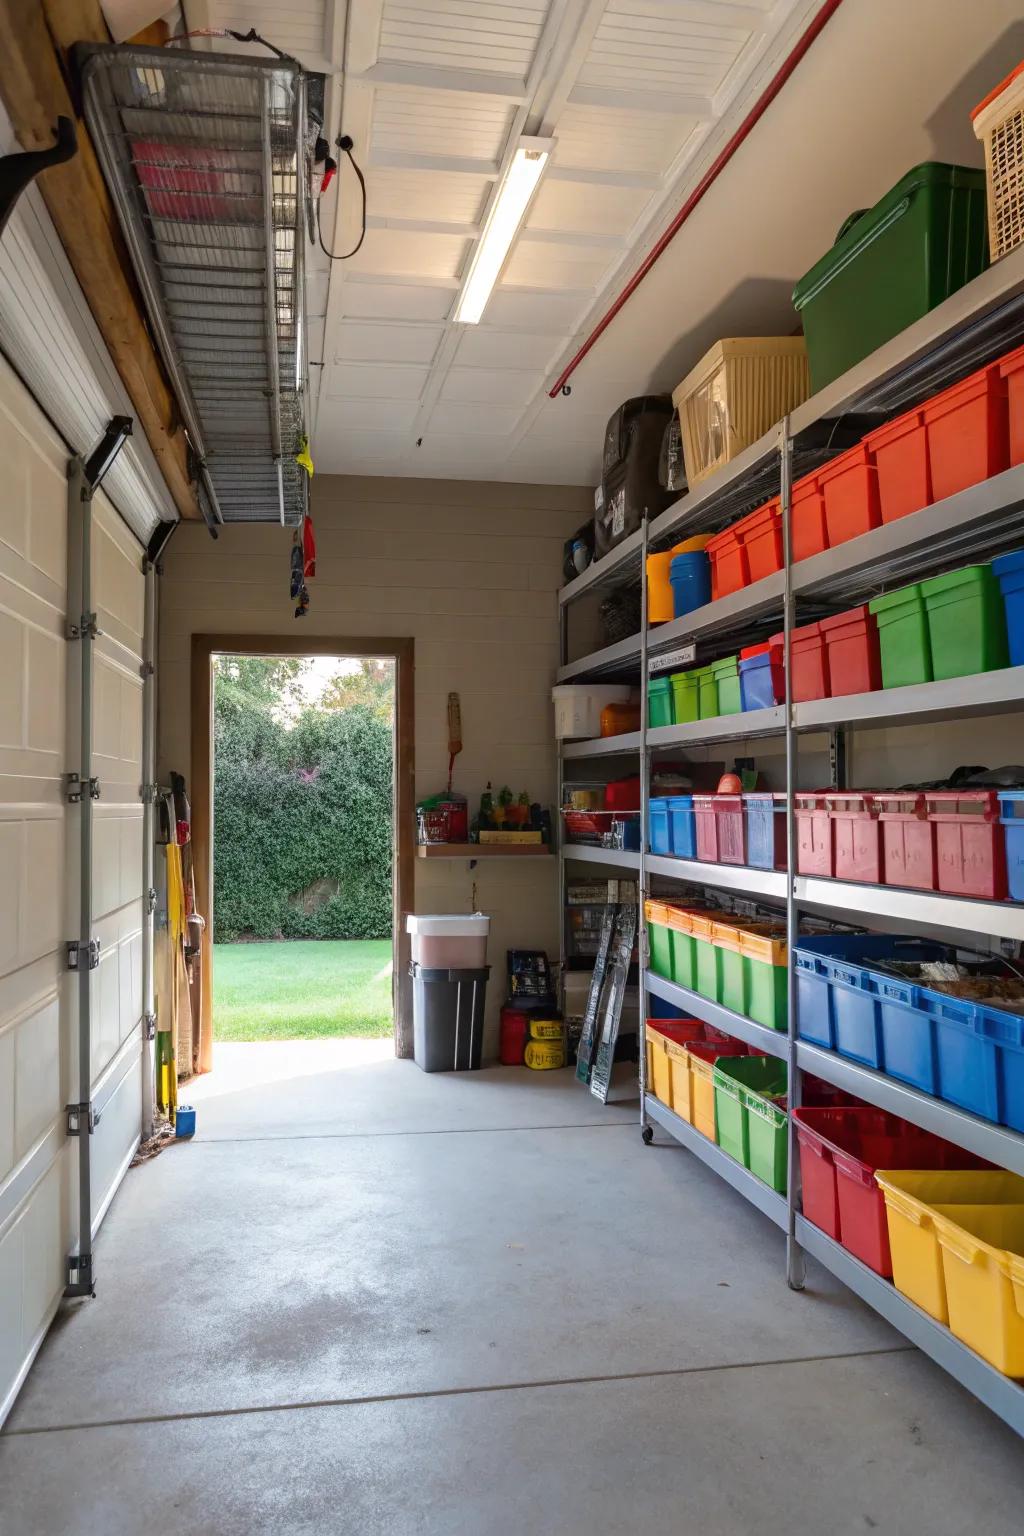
293,807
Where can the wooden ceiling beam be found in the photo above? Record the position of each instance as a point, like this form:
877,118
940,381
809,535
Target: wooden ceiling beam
33,83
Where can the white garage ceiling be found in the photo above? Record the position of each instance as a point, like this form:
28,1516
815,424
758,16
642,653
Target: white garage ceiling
639,95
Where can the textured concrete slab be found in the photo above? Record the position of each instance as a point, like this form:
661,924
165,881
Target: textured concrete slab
883,1444
286,1271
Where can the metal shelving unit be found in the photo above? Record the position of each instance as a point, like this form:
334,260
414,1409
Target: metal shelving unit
978,323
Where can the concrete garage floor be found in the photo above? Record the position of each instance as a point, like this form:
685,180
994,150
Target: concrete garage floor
365,1300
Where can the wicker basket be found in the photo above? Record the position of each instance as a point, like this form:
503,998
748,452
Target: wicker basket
999,123
736,392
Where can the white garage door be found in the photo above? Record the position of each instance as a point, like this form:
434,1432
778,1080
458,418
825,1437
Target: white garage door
38,873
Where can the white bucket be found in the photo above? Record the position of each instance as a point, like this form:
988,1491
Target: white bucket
578,707
456,942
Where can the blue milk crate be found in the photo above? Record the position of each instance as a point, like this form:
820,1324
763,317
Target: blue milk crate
980,1053
659,827
1011,807
684,831
839,1005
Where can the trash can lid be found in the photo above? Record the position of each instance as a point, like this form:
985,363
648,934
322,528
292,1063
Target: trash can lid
453,925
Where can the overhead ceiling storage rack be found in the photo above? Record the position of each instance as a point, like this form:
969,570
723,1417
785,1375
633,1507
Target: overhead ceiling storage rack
204,155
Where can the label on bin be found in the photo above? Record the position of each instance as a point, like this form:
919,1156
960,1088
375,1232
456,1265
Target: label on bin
671,661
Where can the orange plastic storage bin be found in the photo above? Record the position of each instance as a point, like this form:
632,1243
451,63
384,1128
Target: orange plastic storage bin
1011,368
760,533
807,518
850,487
617,718
730,567
968,432
900,451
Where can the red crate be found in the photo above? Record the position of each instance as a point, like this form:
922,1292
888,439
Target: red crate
705,823
908,840
730,568
840,1150
850,487
1011,368
731,829
968,432
622,794
900,451
760,533
682,1031
856,836
809,660
814,846
970,849
854,657
807,518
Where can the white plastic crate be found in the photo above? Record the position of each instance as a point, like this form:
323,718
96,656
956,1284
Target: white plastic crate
999,123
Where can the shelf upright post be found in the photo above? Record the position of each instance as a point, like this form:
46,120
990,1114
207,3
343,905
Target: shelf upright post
641,889
794,1253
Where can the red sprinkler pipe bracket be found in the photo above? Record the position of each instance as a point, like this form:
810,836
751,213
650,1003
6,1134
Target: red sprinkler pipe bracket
706,182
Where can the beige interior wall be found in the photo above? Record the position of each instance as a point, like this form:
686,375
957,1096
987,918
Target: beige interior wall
471,572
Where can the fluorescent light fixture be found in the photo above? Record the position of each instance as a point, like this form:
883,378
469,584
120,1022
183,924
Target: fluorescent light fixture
507,211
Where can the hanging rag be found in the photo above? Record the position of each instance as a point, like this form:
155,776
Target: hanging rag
308,547
303,457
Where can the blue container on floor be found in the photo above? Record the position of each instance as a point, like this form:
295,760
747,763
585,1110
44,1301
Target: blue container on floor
659,825
1011,806
1009,569
690,575
184,1121
756,688
684,830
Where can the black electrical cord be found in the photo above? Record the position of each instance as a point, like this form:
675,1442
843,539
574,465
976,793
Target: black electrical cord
344,143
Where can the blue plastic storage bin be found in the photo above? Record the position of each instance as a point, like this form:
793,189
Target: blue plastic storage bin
690,575
684,829
1010,571
762,829
659,825
657,1008
837,1005
757,690
1011,806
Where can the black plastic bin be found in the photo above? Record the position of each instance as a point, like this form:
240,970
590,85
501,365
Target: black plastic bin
448,1018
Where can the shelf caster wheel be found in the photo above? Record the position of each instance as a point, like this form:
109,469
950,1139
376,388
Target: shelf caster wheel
647,1135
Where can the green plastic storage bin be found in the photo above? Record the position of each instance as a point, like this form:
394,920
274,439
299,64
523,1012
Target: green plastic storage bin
733,991
765,992
903,637
966,622
659,942
707,978
684,959
767,1139
685,697
730,1120
707,682
726,673
891,264
660,702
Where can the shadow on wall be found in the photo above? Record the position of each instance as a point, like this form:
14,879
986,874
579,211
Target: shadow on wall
950,127
759,306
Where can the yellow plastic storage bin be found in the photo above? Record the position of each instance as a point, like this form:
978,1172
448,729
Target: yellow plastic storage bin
679,1072
660,1077
980,1246
739,389
913,1201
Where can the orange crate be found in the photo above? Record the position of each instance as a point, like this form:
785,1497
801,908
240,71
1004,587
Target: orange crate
730,566
900,451
807,518
760,533
968,432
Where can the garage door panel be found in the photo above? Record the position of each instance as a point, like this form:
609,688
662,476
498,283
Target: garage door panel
106,716
12,862
37,1083
46,681
7,1158
130,887
106,1021
118,589
12,680
12,1247
47,1223
16,457
106,869
43,884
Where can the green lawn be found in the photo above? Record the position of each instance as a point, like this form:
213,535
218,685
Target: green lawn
301,990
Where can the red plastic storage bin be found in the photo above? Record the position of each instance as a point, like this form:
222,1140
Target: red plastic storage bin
1011,368
854,657
515,1031
968,432
900,452
809,660
705,823
730,568
970,849
850,487
760,533
840,1150
908,840
814,845
682,1031
807,518
856,836
731,829
622,795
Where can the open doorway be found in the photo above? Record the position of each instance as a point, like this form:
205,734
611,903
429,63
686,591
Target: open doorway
302,794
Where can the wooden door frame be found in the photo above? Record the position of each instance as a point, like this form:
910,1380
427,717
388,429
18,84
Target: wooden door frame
401,651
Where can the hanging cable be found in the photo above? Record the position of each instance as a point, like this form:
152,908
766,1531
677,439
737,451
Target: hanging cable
344,143
252,36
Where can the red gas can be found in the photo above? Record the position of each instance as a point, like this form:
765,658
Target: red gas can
515,1030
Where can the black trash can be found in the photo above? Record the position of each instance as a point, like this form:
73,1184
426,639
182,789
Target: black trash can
448,1018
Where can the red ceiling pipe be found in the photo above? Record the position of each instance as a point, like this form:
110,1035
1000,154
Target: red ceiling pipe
709,178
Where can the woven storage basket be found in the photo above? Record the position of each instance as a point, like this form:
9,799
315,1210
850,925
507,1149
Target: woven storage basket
736,392
999,123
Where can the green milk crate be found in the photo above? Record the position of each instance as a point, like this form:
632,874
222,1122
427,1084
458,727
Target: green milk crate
751,1127
966,622
891,264
730,1119
767,1136
903,638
